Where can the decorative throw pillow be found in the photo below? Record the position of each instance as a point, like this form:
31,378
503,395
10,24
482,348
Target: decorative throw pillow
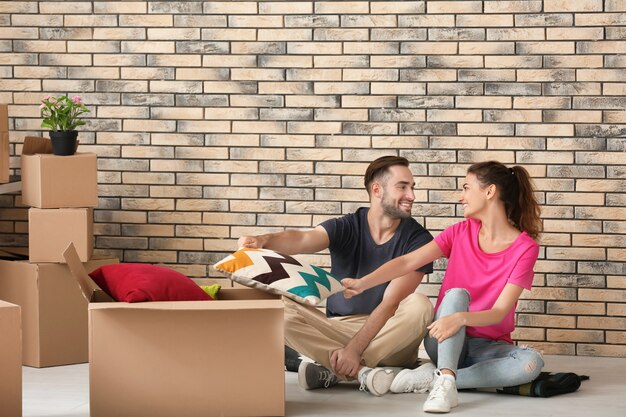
280,274
143,282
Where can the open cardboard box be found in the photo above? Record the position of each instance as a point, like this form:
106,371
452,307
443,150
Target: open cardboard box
185,358
10,360
54,313
51,181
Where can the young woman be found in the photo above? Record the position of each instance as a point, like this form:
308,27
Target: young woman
491,256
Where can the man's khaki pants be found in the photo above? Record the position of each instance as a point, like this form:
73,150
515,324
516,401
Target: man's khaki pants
311,333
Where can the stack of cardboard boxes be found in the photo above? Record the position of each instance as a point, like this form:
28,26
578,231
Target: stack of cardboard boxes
61,191
4,143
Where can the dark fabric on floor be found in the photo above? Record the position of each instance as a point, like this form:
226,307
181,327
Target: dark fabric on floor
547,384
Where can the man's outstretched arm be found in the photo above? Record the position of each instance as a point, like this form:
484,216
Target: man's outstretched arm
289,242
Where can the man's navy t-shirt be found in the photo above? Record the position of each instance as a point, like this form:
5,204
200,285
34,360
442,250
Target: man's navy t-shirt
354,254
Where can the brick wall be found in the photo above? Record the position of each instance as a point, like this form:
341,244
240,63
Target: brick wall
222,118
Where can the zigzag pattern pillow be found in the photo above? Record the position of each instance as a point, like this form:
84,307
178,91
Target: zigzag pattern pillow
281,274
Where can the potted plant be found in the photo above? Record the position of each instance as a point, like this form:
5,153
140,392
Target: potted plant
62,115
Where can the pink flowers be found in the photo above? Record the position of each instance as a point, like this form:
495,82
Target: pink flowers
62,113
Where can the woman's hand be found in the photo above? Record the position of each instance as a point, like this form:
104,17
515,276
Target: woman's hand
446,327
352,287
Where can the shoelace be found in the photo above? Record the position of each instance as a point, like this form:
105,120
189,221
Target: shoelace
440,389
363,381
327,377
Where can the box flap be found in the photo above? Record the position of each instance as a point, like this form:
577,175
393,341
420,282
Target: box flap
36,144
91,291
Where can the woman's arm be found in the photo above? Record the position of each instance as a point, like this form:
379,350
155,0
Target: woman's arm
395,268
447,326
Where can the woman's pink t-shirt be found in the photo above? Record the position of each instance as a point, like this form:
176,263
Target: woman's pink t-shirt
484,275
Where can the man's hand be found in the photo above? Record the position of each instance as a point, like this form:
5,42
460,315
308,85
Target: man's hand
345,362
250,242
352,287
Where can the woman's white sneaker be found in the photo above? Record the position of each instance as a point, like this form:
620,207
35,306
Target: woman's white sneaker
414,380
443,396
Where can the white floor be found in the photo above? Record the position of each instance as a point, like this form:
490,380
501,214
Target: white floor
63,391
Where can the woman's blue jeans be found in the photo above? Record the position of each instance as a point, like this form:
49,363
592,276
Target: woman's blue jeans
478,362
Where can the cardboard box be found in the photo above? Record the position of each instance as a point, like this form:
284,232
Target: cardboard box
51,230
54,312
189,358
51,181
4,157
4,117
10,360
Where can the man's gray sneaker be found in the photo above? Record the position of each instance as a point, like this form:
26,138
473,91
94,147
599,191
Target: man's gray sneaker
314,376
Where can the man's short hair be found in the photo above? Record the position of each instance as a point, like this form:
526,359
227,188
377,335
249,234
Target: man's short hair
380,167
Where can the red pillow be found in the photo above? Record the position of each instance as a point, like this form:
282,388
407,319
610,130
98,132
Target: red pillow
144,282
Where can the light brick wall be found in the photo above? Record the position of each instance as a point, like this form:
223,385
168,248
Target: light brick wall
222,118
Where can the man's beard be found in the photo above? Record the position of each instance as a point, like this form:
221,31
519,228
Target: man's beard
393,211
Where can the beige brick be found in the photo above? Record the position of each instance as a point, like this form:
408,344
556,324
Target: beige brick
485,129
525,333
599,19
278,7
568,6
541,102
148,47
560,34
600,185
484,20
576,253
273,35
580,61
256,206
554,348
600,47
513,6
616,309
547,48
398,88
616,337
397,7
550,321
491,48
585,336
429,48
572,116
239,21
586,294
512,116
370,75
175,217
601,350
577,308
202,231
228,218
500,61
594,199
544,129
454,115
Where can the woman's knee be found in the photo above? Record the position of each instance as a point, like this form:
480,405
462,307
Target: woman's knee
454,300
531,362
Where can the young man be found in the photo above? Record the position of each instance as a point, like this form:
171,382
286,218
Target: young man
383,326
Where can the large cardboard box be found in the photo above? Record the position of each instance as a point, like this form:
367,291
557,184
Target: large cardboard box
190,358
51,181
54,311
4,117
4,157
10,360
51,230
